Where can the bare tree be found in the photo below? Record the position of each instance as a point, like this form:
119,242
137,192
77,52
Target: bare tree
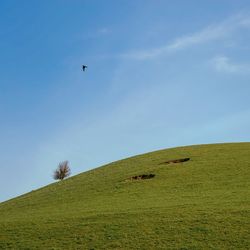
62,171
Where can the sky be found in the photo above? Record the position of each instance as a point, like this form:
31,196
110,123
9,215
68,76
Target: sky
160,74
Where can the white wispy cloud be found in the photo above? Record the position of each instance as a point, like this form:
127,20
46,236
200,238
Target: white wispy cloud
223,64
211,33
103,31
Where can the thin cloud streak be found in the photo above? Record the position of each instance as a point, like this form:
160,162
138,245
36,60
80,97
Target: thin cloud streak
208,34
224,65
104,31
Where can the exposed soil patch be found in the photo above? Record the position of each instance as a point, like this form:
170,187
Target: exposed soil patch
142,177
176,161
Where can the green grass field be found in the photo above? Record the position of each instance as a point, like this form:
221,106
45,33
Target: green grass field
203,203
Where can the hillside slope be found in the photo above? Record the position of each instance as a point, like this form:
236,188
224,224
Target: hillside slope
203,203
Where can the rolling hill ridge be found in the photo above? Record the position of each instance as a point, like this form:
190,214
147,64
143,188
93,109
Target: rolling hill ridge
156,200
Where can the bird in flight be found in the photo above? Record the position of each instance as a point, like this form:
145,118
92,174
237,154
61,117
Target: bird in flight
84,67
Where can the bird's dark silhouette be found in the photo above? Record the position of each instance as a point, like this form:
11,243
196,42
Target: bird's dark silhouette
84,67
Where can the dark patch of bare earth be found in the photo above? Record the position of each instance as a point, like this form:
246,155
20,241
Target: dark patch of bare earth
176,161
150,176
142,177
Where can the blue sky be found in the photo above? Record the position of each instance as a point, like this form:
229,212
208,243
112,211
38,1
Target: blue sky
160,74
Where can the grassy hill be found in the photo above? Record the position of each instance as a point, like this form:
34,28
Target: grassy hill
203,203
